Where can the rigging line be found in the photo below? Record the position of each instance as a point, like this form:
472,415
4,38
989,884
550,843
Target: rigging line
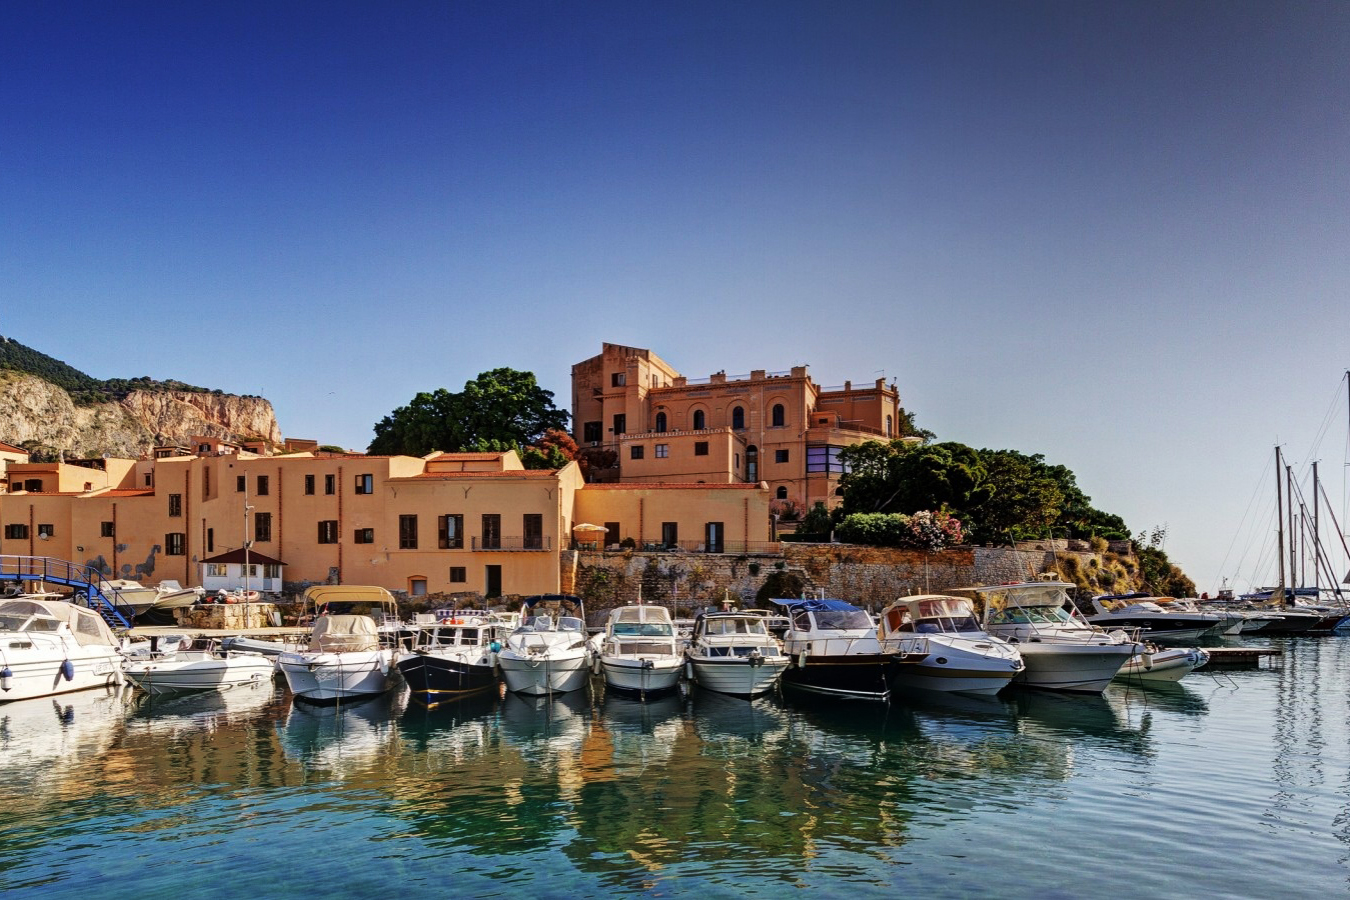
1332,407
1260,482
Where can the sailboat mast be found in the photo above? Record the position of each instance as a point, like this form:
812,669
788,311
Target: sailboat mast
1316,533
1293,532
1279,519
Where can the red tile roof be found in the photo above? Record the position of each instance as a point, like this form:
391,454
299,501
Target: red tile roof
670,486
10,448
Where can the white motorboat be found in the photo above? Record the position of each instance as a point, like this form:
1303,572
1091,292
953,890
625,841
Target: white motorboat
1060,650
172,595
454,657
346,657
1153,622
638,652
52,646
209,668
130,593
546,656
962,658
835,652
1163,664
732,652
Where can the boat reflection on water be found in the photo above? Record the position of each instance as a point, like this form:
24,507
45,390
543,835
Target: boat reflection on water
732,726
186,711
550,729
1169,696
342,738
44,739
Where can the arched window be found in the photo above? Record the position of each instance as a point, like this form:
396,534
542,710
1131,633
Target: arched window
751,463
888,426
660,421
782,492
779,415
699,424
738,418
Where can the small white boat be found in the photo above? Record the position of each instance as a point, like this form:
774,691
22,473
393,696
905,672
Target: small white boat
638,652
52,647
127,592
546,656
1163,664
732,652
962,657
207,669
172,595
346,657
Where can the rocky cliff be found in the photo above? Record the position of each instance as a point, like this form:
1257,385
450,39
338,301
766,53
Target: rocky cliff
37,411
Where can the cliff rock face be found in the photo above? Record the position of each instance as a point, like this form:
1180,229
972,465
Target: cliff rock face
32,409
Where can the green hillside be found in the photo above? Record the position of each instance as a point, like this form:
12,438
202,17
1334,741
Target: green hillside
83,388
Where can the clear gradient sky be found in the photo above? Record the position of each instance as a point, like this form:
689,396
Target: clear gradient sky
1115,233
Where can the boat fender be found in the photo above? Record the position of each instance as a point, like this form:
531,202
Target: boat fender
495,646
801,660
6,679
688,671
68,670
1147,659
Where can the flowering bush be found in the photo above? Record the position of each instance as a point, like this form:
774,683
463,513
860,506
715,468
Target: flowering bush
925,530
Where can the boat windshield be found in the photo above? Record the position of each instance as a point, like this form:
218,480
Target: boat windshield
644,629
570,623
539,623
946,625
20,622
1032,615
842,620
734,626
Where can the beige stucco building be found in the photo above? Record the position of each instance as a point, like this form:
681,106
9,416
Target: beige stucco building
780,428
464,522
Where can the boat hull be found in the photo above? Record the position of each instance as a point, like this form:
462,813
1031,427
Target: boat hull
859,676
1083,668
539,675
642,676
330,677
739,676
1164,664
443,675
42,674
199,674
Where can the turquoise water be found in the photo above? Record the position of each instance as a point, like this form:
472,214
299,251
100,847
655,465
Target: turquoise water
1235,785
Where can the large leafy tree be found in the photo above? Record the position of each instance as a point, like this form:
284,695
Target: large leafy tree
499,410
903,477
1018,493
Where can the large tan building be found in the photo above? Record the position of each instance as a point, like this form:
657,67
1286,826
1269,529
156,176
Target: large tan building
780,428
464,522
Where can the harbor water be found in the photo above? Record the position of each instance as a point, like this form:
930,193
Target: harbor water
1227,785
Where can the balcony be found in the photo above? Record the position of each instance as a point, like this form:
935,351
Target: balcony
513,544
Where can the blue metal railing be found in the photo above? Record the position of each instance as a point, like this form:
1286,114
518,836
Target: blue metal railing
89,586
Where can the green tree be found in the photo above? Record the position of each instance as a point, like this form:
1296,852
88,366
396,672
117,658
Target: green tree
552,451
499,410
1018,494
904,477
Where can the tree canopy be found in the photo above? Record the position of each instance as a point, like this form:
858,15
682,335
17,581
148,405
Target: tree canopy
499,410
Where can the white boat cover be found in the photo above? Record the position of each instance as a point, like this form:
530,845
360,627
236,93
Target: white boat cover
87,626
343,634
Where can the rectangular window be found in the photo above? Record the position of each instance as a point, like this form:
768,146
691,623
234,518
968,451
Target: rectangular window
240,483
272,571
217,570
780,456
262,526
262,485
822,458
175,544
534,531
700,448
364,536
636,451
458,574
210,540
662,451
492,531
328,531
330,484
670,534
35,484
206,482
309,484
365,484
450,532
16,532
713,535
407,532
620,424
106,529
618,379
175,505
46,531
611,533
592,432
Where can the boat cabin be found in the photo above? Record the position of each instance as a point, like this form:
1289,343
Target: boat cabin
930,615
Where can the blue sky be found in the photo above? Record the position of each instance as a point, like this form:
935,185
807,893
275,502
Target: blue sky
1112,233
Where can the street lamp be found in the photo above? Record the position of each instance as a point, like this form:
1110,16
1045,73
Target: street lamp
246,542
